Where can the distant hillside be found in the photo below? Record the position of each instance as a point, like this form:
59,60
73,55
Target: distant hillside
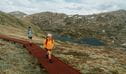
6,19
58,23
47,20
110,26
18,14
12,25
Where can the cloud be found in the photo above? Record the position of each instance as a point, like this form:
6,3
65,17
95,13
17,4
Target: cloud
63,6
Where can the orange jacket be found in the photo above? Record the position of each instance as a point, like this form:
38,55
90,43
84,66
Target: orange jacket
48,43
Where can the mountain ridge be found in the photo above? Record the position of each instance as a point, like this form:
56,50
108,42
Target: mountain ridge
105,26
18,14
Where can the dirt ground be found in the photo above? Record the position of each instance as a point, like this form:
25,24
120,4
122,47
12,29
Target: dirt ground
14,59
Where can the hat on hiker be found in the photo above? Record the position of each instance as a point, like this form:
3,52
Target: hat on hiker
49,35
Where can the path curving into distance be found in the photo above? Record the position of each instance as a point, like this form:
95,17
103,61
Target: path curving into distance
57,67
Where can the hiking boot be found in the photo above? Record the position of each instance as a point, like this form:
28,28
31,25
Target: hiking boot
30,44
46,56
50,61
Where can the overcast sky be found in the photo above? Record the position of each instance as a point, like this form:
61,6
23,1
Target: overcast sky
62,6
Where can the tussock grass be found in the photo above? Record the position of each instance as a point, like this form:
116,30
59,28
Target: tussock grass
14,59
92,60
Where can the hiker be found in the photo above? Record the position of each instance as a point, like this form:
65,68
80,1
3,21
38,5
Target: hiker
30,34
49,45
